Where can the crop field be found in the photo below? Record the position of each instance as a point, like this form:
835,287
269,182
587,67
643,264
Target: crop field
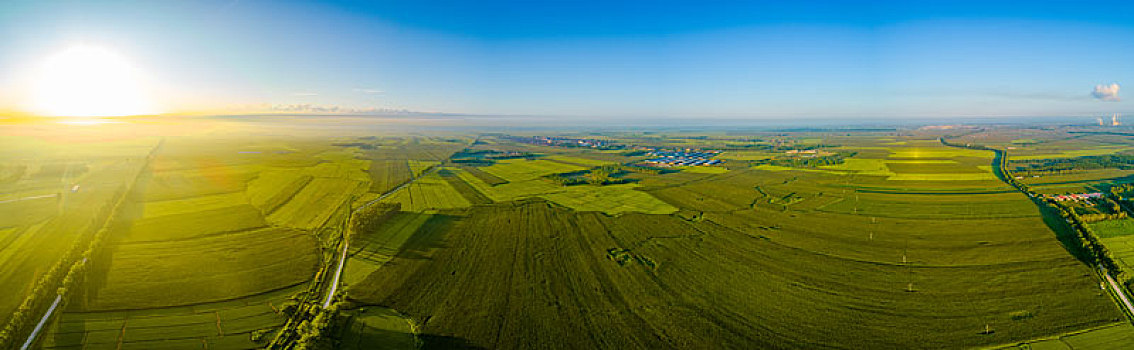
218,325
374,325
273,188
471,194
1079,181
528,183
428,192
1118,237
181,184
1111,337
1101,150
579,161
484,176
315,203
902,242
385,175
51,191
624,273
952,256
395,160
373,249
514,170
214,234
219,268
1114,228
418,167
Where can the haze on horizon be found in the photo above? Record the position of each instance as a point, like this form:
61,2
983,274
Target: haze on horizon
573,58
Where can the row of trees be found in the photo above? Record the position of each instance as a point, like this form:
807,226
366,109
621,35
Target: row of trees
602,175
1085,236
1064,165
1122,190
806,162
371,218
309,323
1089,241
67,275
305,306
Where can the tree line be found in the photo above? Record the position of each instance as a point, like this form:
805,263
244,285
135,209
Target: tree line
67,275
807,162
1088,241
601,175
1065,165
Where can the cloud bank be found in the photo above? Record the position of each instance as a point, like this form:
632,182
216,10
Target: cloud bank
1106,92
307,108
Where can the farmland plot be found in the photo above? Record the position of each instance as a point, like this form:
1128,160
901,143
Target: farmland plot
315,203
584,280
159,274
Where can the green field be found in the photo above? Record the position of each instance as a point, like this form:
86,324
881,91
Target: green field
528,183
637,288
907,243
429,192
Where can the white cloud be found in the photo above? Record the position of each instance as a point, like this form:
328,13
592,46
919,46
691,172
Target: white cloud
370,91
304,94
1106,92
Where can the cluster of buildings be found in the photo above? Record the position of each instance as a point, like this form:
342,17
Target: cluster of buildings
679,158
561,141
1074,196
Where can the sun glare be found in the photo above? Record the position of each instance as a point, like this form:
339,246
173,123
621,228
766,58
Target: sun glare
86,81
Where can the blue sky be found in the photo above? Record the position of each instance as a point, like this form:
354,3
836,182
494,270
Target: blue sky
637,59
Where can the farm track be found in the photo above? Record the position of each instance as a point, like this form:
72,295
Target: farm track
1118,290
29,198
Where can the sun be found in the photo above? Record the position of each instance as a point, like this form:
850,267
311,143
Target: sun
88,81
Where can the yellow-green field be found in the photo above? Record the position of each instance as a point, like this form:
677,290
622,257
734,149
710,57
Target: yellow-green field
528,182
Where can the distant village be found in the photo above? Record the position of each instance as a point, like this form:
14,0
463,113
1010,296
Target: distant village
678,158
1074,196
661,157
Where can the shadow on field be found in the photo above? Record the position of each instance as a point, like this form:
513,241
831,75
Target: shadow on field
1063,231
433,341
430,236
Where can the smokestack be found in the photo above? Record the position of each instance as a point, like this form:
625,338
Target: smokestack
1100,121
1114,120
